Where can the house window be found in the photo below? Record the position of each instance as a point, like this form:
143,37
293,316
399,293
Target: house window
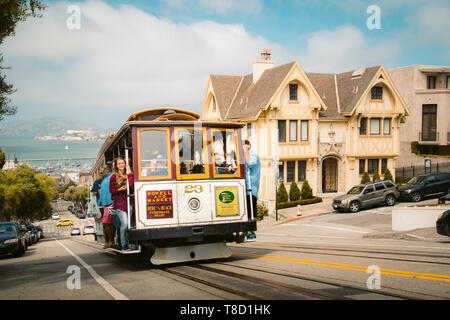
431,82
375,125
383,165
281,130
448,82
293,130
249,129
281,171
377,93
293,91
387,126
429,122
372,166
214,104
304,130
301,170
362,166
290,171
363,126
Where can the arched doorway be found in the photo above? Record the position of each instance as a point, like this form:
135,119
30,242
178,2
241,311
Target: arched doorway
330,175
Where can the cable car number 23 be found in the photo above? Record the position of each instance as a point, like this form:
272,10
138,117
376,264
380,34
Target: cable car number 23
190,188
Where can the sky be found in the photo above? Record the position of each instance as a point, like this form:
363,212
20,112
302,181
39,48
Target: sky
100,61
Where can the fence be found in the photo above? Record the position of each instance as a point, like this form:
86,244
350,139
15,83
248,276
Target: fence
412,171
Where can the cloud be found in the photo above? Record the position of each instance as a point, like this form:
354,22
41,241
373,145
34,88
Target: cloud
218,6
123,58
345,48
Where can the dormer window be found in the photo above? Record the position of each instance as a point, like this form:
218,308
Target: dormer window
377,93
214,104
293,92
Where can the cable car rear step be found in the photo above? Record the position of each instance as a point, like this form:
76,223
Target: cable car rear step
206,251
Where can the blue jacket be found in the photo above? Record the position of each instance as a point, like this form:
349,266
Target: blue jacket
95,188
255,173
105,195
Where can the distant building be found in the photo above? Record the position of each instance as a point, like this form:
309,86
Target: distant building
58,178
426,91
324,127
71,176
85,178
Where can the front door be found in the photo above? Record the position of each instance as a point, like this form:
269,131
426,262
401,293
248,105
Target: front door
329,175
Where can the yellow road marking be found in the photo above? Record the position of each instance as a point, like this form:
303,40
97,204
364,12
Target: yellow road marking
400,273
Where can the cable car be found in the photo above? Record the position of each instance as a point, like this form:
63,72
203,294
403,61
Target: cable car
189,185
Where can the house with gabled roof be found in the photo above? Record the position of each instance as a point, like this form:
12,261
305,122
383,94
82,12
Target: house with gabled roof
324,127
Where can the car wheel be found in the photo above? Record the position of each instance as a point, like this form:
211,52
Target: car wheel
354,207
416,196
390,200
20,252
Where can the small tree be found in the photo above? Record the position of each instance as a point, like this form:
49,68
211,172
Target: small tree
294,192
388,175
365,177
282,195
306,192
376,176
261,212
2,159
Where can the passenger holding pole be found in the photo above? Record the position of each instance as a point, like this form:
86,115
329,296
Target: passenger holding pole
252,180
118,189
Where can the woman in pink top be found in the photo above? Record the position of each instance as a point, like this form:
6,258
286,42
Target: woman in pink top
118,189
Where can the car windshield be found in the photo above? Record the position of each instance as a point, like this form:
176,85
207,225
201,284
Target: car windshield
355,190
416,180
7,229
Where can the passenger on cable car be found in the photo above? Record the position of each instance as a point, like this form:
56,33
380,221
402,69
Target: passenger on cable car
118,189
109,230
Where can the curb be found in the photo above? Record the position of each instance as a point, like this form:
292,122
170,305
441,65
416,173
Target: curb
303,217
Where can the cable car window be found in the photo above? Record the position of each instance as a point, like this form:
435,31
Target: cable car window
190,152
153,153
225,152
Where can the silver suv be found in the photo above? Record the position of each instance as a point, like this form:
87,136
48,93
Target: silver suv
367,195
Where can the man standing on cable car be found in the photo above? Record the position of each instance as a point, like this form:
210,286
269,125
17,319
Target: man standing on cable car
252,171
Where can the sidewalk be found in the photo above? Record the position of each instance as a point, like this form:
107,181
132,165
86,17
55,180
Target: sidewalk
302,212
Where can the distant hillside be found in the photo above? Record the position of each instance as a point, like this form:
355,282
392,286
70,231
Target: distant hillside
47,126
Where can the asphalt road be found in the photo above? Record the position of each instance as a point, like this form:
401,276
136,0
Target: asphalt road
325,257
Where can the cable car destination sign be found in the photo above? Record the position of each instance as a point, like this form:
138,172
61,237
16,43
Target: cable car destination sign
159,204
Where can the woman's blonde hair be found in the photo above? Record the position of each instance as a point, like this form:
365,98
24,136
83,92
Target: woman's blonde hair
120,177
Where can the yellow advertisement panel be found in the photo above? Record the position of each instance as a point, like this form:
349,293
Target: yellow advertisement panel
227,201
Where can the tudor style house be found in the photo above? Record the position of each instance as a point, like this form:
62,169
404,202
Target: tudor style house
323,127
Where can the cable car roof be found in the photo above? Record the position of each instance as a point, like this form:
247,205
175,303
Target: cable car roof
158,114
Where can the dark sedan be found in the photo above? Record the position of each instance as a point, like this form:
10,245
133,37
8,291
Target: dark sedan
443,224
12,239
420,187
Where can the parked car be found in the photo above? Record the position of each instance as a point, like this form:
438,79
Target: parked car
75,232
65,222
54,200
444,199
81,216
43,218
89,230
40,232
55,216
12,239
443,223
34,233
70,208
27,234
424,186
367,195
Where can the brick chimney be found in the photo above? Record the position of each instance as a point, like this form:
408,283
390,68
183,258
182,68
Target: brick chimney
262,64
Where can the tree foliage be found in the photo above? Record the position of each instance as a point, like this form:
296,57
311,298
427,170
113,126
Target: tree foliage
24,194
388,175
365,177
294,192
282,195
11,13
78,195
306,192
2,159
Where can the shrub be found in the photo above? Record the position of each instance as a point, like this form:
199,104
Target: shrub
282,195
376,176
365,177
261,212
294,192
388,175
415,147
307,192
282,205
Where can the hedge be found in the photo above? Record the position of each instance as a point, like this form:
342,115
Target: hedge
290,204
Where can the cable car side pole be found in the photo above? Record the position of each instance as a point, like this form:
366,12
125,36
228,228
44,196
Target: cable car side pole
128,189
250,191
